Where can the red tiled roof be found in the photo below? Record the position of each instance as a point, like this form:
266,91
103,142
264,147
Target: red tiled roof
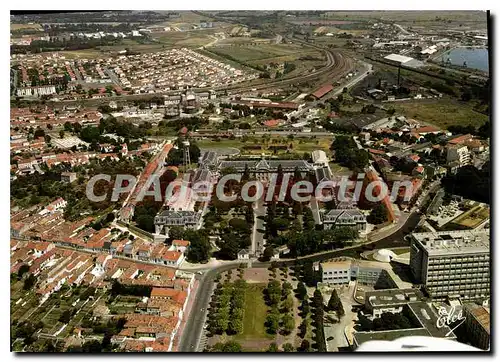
414,157
163,292
171,255
427,129
272,122
460,139
323,90
181,243
377,152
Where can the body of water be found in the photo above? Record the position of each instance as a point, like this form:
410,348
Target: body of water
476,58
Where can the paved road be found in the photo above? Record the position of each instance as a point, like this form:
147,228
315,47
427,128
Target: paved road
258,224
402,29
194,326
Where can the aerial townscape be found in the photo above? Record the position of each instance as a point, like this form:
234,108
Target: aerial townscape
249,181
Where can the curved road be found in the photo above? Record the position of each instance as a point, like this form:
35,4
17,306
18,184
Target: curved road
194,326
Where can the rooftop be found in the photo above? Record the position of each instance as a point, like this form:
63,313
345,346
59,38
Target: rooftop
392,296
454,242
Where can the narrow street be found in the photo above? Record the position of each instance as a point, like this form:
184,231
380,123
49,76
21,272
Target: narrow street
258,226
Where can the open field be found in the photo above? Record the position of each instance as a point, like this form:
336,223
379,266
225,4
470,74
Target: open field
194,39
241,41
266,53
84,54
298,145
185,19
254,337
14,27
470,219
443,112
418,16
255,313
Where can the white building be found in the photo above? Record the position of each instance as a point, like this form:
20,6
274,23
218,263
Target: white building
454,264
319,158
459,153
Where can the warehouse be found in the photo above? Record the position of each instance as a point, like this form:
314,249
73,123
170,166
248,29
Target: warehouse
404,60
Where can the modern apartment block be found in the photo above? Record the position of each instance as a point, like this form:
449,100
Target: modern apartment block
458,153
452,264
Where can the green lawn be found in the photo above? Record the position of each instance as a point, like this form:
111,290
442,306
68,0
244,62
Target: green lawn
307,145
442,112
255,313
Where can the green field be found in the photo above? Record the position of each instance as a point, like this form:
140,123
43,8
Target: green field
254,337
255,313
442,112
179,39
298,145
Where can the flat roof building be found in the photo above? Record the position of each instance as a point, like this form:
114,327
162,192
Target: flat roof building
452,264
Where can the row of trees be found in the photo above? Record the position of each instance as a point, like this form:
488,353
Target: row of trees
319,314
227,308
280,301
287,347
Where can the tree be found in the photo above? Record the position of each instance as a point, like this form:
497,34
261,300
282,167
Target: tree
287,304
199,248
303,328
61,134
90,134
39,133
273,347
288,324
230,346
305,346
22,270
305,308
146,222
272,323
268,253
288,347
29,282
378,215
301,291
308,220
65,317
334,304
236,325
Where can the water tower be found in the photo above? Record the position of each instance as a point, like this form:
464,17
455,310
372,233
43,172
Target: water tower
187,159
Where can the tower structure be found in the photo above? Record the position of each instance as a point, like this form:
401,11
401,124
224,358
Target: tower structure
187,158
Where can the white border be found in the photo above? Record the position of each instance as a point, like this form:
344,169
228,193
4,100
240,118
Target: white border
205,5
